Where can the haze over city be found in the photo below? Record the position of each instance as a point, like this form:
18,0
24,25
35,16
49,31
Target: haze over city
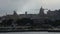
20,6
29,16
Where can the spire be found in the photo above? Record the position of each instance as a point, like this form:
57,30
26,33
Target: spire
41,7
41,12
15,13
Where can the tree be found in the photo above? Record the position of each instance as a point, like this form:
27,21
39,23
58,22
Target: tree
24,21
7,22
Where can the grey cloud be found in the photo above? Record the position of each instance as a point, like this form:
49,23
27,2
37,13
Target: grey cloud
8,6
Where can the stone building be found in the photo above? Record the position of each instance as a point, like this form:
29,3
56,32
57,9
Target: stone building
54,15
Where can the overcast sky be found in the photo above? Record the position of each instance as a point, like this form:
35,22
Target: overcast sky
20,6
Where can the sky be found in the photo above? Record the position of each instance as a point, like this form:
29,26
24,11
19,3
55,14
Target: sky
31,6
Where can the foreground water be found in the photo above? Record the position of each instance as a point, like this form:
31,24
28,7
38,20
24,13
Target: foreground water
31,33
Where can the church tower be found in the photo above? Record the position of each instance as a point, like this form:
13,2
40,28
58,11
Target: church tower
15,13
41,12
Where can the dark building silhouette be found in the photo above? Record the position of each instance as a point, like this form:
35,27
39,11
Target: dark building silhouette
41,12
37,18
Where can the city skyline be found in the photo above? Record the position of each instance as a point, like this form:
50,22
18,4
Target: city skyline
29,15
8,6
